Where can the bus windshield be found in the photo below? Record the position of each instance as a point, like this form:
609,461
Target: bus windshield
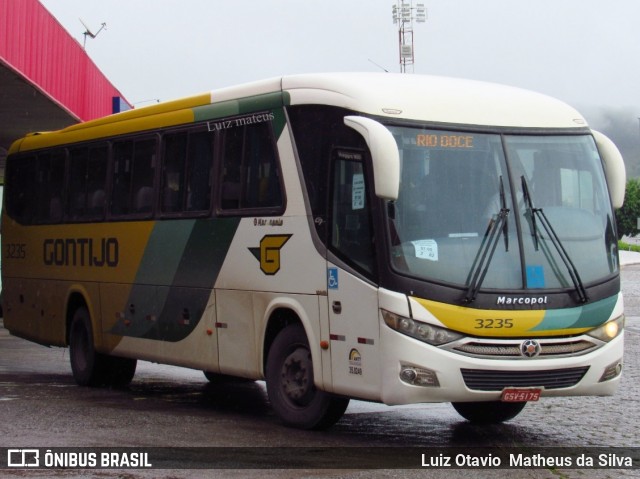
501,211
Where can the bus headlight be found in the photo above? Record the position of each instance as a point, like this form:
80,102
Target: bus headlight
608,330
427,333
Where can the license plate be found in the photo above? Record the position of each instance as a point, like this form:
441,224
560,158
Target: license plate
520,394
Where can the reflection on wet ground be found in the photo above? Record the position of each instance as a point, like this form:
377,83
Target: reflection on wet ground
194,401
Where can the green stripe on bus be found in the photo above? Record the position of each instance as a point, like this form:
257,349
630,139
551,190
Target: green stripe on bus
243,106
205,252
179,269
181,311
164,251
588,316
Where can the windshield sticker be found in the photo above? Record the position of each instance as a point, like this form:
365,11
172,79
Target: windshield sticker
357,192
426,249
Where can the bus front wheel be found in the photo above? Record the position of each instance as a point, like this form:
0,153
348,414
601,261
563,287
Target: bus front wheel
491,412
290,385
89,367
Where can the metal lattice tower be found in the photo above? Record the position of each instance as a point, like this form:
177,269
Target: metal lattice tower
404,14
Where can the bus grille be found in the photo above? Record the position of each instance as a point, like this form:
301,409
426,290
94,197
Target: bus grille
487,380
511,350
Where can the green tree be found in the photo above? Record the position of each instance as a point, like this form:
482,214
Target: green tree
627,216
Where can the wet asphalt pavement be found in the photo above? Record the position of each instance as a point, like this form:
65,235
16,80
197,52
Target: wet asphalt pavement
40,406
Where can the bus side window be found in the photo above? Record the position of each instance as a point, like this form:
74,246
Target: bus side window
76,198
87,183
49,187
250,169
232,157
133,177
173,172
20,174
198,177
186,172
96,181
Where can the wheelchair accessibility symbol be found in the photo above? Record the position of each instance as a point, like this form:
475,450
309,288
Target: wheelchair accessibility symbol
332,278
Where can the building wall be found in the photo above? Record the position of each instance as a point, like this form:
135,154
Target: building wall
36,46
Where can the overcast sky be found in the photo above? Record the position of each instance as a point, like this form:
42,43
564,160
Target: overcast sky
585,52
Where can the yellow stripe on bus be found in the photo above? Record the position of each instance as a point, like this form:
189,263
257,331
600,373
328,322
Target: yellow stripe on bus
492,322
106,130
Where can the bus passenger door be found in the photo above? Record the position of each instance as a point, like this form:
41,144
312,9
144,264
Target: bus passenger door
352,293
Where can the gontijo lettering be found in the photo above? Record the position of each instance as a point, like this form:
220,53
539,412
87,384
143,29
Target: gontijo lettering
81,252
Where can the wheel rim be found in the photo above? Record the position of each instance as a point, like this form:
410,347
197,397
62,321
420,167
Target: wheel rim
297,377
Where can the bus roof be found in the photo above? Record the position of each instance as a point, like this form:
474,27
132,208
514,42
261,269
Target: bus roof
402,96
434,99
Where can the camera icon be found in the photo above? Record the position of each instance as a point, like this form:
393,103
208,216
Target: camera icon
23,458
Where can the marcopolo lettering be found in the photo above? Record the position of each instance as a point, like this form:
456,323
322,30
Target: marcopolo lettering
103,252
522,300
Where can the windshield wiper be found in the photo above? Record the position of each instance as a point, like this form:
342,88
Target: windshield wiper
488,246
555,241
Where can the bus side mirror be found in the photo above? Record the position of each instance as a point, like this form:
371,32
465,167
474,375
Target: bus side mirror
613,168
384,155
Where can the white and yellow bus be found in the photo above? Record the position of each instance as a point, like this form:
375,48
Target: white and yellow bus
393,238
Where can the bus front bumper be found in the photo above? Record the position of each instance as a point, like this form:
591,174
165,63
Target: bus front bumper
416,372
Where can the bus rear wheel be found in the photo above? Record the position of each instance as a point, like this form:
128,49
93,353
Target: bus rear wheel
120,371
89,367
290,385
491,412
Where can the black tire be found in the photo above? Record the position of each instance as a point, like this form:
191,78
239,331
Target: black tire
491,412
290,386
89,367
120,371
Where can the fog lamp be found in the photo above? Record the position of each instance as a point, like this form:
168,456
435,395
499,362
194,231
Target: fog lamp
611,371
419,376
